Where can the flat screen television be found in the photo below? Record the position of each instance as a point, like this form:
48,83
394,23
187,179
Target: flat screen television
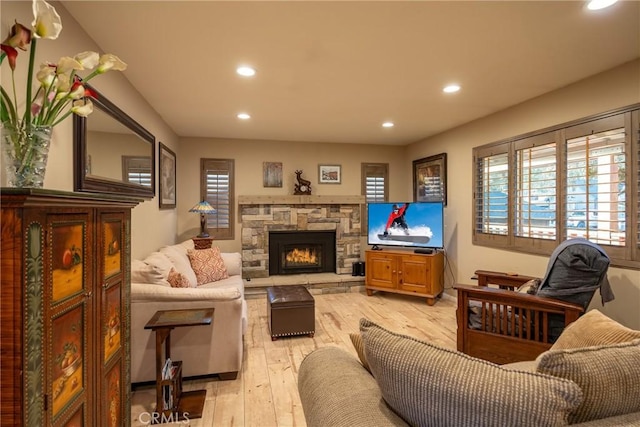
411,224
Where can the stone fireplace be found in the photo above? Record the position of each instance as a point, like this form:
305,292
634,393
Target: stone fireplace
265,216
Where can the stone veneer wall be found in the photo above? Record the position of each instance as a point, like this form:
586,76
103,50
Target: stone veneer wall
262,214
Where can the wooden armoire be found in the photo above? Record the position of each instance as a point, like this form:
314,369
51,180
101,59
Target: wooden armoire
64,308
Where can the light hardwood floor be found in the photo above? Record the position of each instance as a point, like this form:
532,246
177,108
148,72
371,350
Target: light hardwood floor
265,394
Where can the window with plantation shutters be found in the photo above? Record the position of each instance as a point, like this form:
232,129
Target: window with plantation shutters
375,182
375,187
580,180
137,170
491,195
217,189
595,182
535,188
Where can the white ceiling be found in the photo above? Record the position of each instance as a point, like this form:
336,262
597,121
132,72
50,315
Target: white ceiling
333,71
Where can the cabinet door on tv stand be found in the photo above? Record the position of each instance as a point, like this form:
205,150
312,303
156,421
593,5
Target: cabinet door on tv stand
414,273
381,270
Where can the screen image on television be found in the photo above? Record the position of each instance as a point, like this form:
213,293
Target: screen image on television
413,224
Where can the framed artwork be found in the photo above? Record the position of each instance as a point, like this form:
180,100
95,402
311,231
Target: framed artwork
167,168
329,174
430,179
272,174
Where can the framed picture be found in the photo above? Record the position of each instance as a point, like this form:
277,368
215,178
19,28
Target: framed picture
430,179
329,174
272,174
167,166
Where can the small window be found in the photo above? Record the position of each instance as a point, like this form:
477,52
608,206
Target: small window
535,198
375,182
492,193
217,183
596,185
375,187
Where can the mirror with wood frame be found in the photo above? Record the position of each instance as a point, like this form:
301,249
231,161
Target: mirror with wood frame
112,152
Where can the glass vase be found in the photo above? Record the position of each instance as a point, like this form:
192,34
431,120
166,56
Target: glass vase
24,153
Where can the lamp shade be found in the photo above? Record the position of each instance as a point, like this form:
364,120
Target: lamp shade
203,208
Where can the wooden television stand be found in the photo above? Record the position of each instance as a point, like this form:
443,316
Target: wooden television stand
405,272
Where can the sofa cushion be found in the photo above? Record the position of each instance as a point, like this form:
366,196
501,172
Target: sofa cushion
178,280
153,269
429,385
608,376
358,344
207,264
178,256
594,328
143,293
233,262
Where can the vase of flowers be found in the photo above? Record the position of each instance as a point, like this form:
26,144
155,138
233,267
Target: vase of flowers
58,92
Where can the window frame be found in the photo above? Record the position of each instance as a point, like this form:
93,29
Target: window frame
367,170
227,165
627,256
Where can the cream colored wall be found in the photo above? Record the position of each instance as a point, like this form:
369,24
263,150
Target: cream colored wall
249,157
151,227
616,88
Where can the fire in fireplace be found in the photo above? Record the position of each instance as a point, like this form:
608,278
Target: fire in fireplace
296,252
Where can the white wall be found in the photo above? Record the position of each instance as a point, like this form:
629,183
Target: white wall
607,91
151,227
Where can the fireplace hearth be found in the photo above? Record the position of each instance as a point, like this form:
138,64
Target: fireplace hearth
296,252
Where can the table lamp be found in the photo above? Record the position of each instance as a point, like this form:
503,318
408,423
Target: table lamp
203,208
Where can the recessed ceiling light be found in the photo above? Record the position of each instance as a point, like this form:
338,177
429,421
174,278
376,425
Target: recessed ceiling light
243,116
600,4
246,71
451,88
388,125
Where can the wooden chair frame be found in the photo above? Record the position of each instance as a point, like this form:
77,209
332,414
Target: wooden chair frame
514,326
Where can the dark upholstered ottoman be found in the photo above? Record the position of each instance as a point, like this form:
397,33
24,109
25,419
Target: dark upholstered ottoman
291,311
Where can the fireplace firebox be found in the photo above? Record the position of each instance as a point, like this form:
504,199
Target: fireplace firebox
297,252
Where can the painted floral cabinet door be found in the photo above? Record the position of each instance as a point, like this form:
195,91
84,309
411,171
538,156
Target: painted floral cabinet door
70,360
64,310
112,226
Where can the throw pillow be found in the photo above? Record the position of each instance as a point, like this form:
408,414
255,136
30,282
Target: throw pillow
608,376
356,340
208,265
594,328
178,256
141,272
430,386
178,280
529,287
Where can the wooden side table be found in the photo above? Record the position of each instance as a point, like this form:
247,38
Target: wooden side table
189,404
202,242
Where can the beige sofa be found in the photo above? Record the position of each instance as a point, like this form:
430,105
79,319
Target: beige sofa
204,350
590,379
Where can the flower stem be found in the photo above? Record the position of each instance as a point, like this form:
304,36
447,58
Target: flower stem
32,57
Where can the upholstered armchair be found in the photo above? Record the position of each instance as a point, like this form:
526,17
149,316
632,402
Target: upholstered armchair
510,317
